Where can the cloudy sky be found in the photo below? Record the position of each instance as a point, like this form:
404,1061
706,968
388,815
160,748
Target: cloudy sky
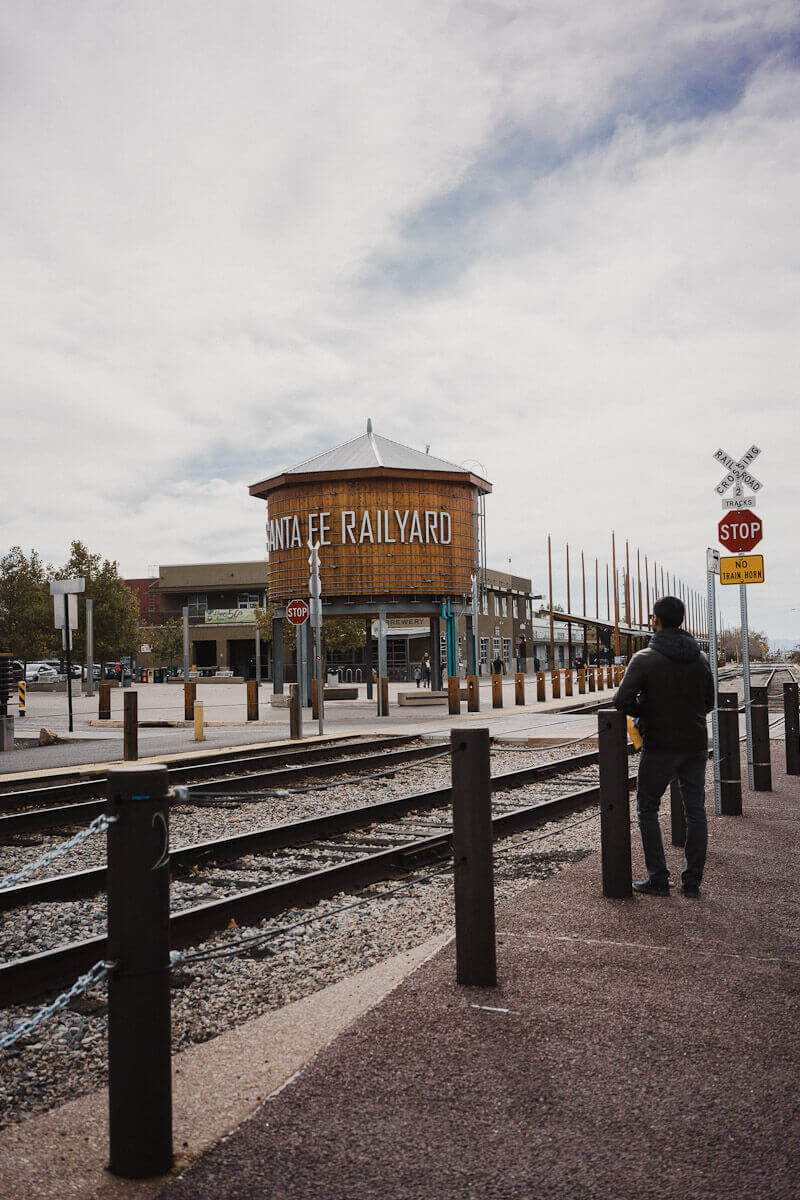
559,240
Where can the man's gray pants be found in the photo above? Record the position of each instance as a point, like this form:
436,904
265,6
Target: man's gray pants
656,769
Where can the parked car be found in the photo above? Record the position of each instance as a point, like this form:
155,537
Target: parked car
40,673
17,670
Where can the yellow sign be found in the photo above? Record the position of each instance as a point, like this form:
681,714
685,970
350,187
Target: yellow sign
742,568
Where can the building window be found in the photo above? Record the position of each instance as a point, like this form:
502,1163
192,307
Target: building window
515,607
495,648
505,606
198,603
507,650
484,652
485,604
248,600
496,604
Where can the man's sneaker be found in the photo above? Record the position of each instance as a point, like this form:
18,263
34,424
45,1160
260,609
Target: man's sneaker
648,888
690,889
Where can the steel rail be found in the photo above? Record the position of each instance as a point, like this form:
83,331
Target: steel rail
27,978
76,885
198,766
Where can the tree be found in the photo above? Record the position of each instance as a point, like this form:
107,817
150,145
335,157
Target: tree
165,641
116,609
26,611
342,634
757,643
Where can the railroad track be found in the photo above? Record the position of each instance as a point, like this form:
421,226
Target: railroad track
50,807
399,835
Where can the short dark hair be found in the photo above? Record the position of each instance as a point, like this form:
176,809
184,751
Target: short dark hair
670,611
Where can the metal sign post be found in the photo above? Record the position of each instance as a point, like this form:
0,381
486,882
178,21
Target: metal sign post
712,567
66,619
748,711
315,593
185,645
741,537
89,646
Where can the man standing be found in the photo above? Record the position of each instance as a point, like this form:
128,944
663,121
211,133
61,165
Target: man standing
670,687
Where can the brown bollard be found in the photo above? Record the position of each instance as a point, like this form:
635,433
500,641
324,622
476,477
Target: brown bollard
609,678
568,682
591,679
189,697
519,687
295,712
383,697
139,1051
615,822
104,702
473,694
252,700
730,765
315,700
453,695
791,720
130,726
497,691
541,686
555,680
476,954
582,681
677,813
762,761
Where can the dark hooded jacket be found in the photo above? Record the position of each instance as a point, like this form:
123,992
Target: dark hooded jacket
670,686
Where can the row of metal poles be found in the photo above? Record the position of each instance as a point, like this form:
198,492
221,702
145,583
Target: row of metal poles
138,881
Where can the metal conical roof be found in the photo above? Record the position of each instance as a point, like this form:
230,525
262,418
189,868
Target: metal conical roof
372,450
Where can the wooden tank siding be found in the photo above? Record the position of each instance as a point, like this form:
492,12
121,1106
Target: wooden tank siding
386,535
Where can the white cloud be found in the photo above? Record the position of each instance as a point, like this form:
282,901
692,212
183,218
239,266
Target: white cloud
560,240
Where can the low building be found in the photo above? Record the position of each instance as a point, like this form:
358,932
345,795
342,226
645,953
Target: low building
221,599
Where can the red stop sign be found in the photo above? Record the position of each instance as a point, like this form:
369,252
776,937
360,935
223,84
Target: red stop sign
297,611
740,532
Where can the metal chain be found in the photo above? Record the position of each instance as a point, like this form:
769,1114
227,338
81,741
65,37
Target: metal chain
98,825
93,975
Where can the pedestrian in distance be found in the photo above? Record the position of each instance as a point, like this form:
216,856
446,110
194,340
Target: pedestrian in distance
669,686
418,675
426,669
537,666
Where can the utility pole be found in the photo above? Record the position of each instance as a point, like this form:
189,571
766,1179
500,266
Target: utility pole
315,603
89,646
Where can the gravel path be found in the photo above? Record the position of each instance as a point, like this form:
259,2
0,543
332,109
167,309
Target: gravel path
67,1056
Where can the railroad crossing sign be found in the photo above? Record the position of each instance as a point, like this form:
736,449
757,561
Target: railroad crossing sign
742,569
738,477
297,612
740,534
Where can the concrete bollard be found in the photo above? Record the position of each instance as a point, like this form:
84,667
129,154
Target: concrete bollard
497,691
762,759
130,726
453,695
252,700
568,682
519,688
104,702
677,813
189,697
199,731
476,954
473,694
615,824
791,720
139,1052
541,686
